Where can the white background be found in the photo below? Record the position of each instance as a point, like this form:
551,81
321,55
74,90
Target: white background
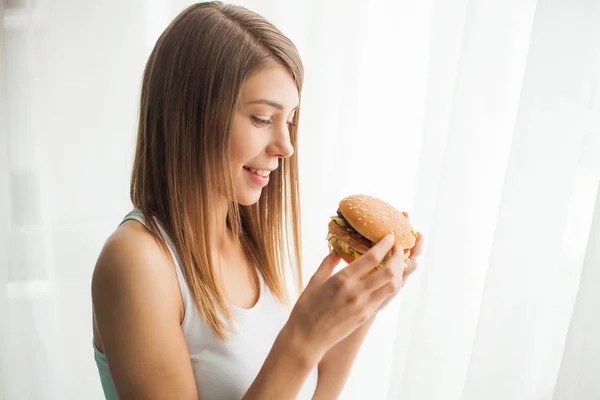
479,117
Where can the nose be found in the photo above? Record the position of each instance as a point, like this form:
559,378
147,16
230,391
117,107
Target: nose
281,145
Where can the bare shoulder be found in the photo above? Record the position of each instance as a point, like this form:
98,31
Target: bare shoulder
130,247
131,263
137,316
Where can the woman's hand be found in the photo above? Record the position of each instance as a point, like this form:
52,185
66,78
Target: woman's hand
332,307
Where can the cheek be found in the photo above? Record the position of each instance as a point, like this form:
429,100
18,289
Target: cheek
235,155
240,153
245,143
244,149
236,145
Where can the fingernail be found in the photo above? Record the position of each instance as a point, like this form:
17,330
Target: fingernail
390,238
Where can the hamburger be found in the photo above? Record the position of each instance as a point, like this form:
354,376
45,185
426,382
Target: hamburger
361,221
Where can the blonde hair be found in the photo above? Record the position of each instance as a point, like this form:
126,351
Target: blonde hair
189,94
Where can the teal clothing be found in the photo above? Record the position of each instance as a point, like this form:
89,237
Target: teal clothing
108,386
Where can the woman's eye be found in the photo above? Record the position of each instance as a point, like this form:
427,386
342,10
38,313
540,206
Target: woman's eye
261,121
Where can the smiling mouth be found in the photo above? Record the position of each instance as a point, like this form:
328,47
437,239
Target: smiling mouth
264,173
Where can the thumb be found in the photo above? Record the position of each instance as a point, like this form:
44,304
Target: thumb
326,268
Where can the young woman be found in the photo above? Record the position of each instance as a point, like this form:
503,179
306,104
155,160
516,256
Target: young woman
189,293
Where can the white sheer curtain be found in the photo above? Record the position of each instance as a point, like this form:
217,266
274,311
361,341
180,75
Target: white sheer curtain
480,118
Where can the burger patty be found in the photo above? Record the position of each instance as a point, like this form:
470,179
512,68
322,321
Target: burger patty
355,235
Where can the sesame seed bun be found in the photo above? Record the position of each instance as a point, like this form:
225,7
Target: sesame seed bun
374,219
368,220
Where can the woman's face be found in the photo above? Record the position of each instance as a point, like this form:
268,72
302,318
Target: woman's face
260,134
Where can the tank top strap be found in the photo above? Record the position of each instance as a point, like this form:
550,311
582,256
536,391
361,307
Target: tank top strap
135,214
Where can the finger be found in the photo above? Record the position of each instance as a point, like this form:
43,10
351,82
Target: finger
418,247
390,287
371,258
410,266
391,271
327,266
405,214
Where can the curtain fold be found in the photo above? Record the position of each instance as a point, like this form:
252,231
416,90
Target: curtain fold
497,290
578,374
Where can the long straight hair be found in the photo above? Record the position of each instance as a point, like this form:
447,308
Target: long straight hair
190,90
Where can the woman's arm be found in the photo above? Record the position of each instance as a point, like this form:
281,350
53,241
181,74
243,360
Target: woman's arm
285,370
138,309
336,364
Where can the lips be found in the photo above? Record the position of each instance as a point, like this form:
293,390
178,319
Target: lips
260,172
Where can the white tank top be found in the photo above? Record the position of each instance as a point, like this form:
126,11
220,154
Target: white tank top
224,370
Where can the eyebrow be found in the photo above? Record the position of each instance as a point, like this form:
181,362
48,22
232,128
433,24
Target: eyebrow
271,103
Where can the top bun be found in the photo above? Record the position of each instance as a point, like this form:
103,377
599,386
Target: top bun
374,219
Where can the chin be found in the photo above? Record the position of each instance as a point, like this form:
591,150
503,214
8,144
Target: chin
248,197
